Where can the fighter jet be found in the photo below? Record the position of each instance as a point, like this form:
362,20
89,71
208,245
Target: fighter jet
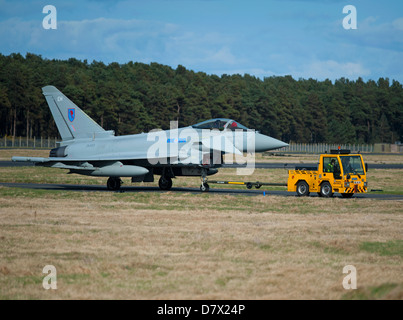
86,148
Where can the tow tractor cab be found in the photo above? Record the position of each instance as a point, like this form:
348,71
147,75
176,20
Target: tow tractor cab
338,171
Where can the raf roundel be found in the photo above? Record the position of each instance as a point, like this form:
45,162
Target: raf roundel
72,114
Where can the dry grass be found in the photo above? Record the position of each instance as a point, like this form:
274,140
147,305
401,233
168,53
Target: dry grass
127,246
108,245
6,154
388,180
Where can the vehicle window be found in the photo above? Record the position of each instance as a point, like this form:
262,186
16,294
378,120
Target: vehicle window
352,165
331,164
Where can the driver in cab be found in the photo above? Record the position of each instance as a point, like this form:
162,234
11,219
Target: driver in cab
330,166
333,167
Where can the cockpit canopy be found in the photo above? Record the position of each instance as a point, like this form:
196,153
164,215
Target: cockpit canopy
220,124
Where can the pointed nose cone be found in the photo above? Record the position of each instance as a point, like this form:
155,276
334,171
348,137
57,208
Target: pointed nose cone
265,143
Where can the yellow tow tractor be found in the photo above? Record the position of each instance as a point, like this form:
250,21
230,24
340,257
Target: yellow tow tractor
338,171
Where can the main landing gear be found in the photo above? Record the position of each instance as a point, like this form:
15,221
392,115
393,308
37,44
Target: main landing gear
114,183
165,183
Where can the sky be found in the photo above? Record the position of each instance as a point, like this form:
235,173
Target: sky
263,38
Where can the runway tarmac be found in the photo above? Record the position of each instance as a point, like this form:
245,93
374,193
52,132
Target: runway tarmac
258,165
213,190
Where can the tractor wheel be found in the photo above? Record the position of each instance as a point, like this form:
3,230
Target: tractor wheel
302,189
326,190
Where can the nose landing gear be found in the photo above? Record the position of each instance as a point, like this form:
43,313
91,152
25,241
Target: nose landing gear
204,187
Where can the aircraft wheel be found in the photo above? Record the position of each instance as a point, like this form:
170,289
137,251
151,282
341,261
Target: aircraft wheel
204,187
302,189
326,189
165,183
113,183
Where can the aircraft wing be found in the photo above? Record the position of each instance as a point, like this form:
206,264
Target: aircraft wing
54,162
104,157
221,145
97,168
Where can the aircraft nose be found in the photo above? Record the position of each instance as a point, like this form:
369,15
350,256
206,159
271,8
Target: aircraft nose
265,143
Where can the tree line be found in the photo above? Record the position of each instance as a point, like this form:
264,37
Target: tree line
136,97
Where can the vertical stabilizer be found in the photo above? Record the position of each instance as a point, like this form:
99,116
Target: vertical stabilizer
71,121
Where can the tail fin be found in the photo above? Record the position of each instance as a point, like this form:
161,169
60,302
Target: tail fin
71,121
